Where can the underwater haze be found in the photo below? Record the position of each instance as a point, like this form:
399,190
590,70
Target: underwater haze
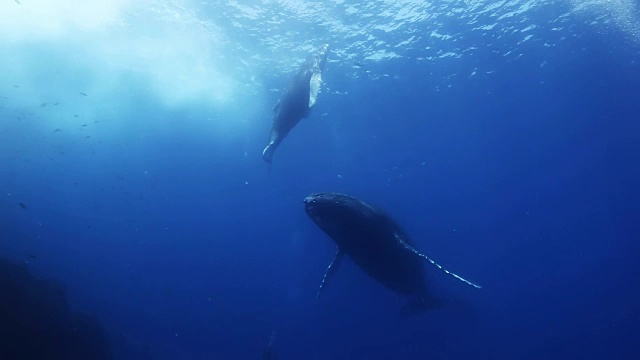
138,219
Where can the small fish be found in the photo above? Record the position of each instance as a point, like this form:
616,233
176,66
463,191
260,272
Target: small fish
56,130
18,2
75,115
83,94
56,103
22,205
16,86
32,256
43,104
83,125
88,136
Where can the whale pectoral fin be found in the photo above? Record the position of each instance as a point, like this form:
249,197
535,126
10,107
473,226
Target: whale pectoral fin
267,153
333,267
416,252
314,87
276,106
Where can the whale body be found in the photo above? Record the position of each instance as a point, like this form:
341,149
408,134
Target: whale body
376,244
297,101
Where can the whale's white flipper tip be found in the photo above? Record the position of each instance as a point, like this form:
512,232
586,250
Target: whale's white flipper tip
267,153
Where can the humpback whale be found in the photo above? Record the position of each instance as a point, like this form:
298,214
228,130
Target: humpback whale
298,99
376,244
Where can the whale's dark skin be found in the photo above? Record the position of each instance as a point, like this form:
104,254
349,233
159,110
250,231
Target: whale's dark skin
296,102
375,243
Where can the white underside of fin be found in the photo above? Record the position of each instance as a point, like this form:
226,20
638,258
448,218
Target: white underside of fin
416,252
314,87
331,269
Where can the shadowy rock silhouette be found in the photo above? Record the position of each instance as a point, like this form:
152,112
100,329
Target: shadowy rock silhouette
37,323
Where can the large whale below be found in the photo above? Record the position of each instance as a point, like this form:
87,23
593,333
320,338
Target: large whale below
377,245
297,100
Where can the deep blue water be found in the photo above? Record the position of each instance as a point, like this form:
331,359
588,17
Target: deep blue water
513,160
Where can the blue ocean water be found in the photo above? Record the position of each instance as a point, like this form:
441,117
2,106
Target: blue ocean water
502,135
